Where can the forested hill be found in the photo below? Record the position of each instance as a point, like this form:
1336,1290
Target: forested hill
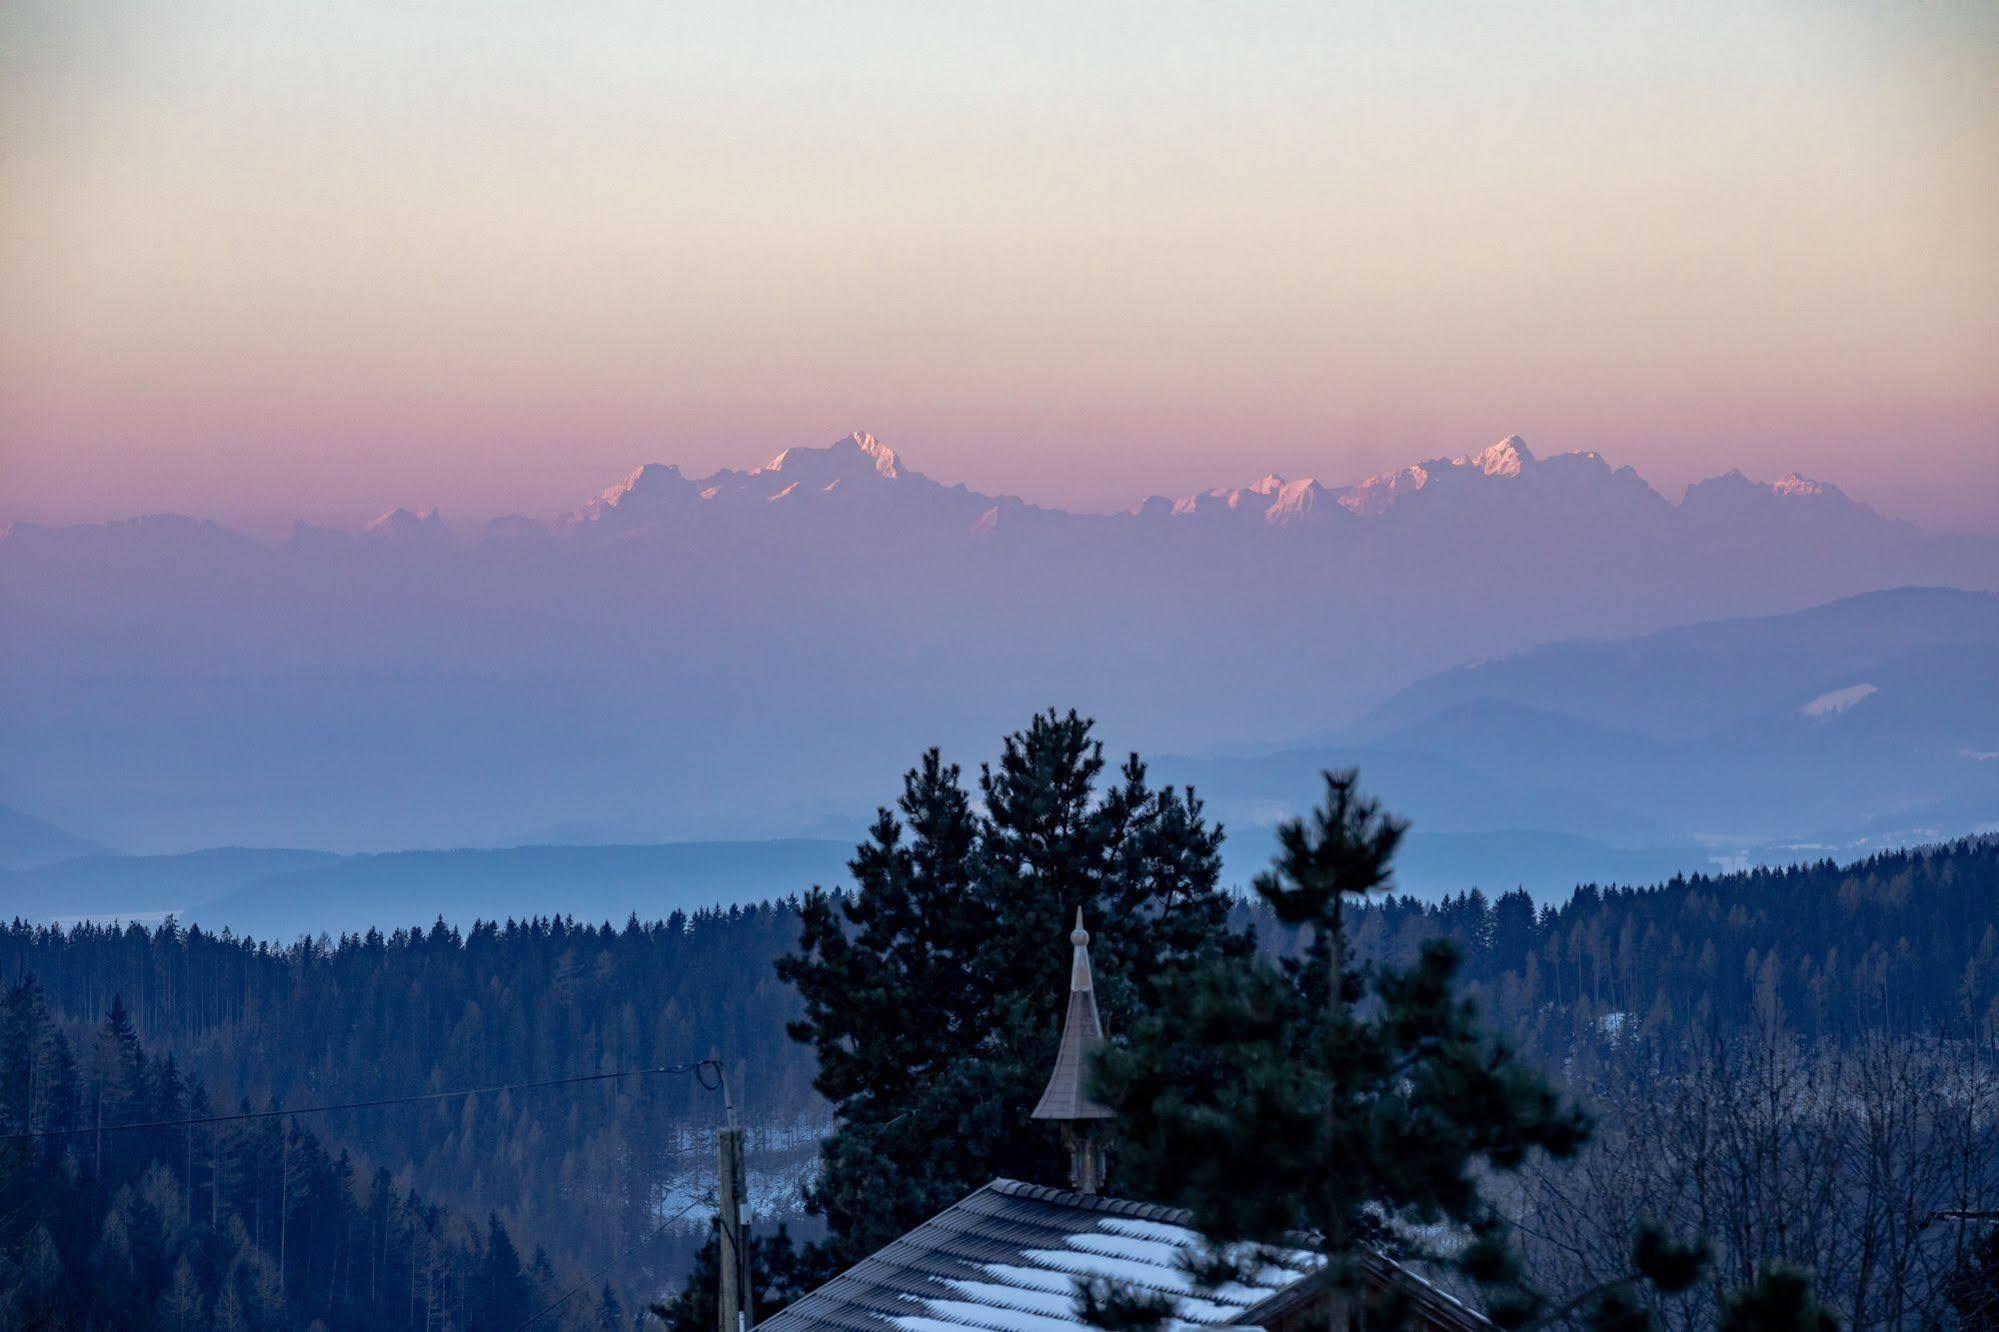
379,1014
585,1171
247,1223
1907,939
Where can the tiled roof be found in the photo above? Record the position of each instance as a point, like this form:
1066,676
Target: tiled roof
1007,1258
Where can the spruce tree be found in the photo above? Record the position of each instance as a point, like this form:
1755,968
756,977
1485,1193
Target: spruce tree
120,1092
1357,1108
507,1293
180,1307
779,1274
1782,1300
933,993
610,1312
1974,1284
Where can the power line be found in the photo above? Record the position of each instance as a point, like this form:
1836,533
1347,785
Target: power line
599,1274
699,1068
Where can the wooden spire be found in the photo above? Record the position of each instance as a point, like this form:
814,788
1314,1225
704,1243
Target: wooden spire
1065,1100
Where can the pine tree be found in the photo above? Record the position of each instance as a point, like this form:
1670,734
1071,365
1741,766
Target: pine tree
610,1312
21,1020
1974,1285
120,1089
932,993
41,1276
779,1271
180,1306
1782,1300
1319,1099
508,1294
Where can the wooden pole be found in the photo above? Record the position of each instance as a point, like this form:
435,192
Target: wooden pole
729,1221
284,1193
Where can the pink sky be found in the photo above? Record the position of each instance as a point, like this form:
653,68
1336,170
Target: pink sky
318,261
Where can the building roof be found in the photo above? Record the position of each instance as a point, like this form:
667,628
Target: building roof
1007,1259
1082,1034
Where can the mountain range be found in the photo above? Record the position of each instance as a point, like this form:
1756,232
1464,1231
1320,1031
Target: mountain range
279,895
759,653
1865,723
26,841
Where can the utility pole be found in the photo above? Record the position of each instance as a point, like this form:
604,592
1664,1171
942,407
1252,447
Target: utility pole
284,1193
729,1249
729,1217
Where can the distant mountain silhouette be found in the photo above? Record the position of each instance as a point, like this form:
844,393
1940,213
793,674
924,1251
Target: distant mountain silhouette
1861,724
1866,723
145,888
280,895
26,841
1713,682
754,652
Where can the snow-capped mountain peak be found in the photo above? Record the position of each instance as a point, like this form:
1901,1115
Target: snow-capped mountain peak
1270,497
1791,484
1295,500
403,525
647,480
651,489
1374,496
1732,493
1509,457
858,452
1500,485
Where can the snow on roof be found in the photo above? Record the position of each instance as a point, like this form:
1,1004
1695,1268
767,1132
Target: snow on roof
1007,1259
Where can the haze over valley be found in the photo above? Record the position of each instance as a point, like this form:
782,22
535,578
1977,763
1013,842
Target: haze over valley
1563,674
511,819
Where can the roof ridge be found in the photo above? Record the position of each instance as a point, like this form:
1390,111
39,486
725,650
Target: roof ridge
1093,1202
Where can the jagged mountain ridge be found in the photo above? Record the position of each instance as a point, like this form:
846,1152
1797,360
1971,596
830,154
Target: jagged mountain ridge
859,469
860,474
736,655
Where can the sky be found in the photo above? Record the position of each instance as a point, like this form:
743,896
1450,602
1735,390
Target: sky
281,260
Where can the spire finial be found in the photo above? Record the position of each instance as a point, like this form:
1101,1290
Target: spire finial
1079,966
1066,1100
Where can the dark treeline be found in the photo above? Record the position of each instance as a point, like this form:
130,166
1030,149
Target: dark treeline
585,1170
240,1225
1800,1066
1903,942
1906,941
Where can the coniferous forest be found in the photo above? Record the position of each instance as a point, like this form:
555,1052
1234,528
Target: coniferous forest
1795,1064
560,567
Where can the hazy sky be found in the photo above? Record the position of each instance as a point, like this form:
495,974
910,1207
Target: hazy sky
319,259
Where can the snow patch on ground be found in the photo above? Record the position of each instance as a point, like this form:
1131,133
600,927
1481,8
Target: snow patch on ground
146,918
1833,702
781,1163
